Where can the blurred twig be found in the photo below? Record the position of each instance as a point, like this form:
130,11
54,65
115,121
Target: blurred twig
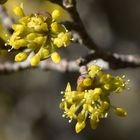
5,19
121,61
115,61
63,66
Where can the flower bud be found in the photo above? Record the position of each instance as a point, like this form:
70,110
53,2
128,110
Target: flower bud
24,20
93,122
120,112
79,126
107,86
22,42
66,39
55,57
32,45
44,53
105,105
55,14
39,40
18,27
95,70
31,36
87,82
19,43
18,10
35,60
54,27
58,42
44,27
21,56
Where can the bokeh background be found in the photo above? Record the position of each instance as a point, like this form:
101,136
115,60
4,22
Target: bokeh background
29,100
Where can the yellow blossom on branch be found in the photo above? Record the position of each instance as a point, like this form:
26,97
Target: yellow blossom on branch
41,34
91,98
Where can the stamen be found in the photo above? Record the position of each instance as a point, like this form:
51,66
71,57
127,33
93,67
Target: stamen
70,120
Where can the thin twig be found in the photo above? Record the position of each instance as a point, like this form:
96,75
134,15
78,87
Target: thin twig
122,61
115,61
63,66
5,19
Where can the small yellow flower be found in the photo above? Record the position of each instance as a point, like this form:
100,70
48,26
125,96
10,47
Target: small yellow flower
55,27
35,60
66,38
87,82
55,14
55,57
39,40
58,42
21,56
18,10
31,36
44,53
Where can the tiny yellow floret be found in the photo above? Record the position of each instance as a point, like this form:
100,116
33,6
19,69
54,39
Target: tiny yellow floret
87,82
55,57
18,10
39,40
120,112
55,14
35,60
44,53
31,36
79,126
58,42
55,27
21,56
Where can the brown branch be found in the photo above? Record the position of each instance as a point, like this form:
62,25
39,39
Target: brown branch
121,61
79,27
115,61
63,66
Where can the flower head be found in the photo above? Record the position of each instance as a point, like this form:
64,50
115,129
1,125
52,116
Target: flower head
91,99
40,34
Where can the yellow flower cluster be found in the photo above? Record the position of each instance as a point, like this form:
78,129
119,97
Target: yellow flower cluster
91,99
37,33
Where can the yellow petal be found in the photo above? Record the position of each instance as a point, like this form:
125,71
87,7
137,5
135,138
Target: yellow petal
79,126
68,87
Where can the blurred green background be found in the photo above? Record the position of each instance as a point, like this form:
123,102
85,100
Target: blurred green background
29,100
